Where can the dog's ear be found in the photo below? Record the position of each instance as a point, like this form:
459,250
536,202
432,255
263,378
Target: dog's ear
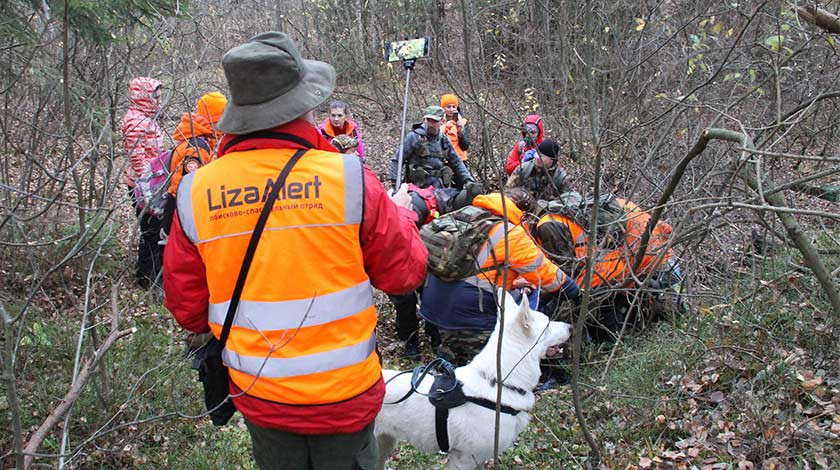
524,312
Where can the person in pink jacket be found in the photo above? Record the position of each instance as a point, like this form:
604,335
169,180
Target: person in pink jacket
533,133
142,140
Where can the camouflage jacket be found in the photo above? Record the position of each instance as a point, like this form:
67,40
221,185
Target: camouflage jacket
544,183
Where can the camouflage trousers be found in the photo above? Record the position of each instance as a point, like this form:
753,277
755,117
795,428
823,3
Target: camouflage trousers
460,346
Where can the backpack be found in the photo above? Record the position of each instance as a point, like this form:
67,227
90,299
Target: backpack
454,240
612,219
150,190
152,187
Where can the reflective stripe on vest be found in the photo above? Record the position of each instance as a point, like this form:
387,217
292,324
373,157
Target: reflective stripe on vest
304,331
496,235
277,367
487,257
296,313
185,208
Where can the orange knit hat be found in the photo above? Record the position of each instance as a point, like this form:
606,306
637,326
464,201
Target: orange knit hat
211,106
446,100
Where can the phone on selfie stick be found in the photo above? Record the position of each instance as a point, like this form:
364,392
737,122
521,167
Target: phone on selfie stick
407,51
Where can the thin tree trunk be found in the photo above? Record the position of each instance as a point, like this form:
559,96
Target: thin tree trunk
11,385
278,15
583,313
68,122
360,35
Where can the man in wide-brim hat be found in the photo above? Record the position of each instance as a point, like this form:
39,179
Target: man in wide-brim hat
304,371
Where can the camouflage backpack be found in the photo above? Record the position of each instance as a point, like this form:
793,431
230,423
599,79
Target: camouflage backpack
454,241
612,219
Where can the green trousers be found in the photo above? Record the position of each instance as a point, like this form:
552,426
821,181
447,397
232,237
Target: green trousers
460,346
277,449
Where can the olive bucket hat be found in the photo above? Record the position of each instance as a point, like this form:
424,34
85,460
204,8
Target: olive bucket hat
271,84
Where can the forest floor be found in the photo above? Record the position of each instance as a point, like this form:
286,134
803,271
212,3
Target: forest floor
748,377
749,380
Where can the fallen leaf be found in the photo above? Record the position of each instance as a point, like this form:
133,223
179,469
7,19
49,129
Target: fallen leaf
771,464
809,380
645,462
725,436
717,396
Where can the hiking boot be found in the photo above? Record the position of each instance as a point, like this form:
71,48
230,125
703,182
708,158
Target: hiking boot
466,195
411,350
549,384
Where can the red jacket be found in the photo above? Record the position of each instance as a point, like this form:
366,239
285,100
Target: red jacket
515,156
387,230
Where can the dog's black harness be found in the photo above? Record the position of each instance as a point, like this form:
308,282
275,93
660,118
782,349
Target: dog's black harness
447,393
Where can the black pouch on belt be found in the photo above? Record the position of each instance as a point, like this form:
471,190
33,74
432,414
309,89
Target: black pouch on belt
214,376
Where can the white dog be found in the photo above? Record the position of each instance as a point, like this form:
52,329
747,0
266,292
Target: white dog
528,336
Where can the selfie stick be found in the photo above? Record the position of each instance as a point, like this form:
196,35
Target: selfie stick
408,64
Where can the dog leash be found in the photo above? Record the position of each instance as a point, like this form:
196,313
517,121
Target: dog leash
419,373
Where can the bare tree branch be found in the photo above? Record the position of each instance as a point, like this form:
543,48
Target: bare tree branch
819,17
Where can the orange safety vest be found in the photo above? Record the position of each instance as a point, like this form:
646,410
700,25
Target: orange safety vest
615,264
608,266
637,221
450,129
577,232
304,331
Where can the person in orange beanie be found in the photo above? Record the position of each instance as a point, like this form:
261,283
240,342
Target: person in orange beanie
211,106
196,138
455,126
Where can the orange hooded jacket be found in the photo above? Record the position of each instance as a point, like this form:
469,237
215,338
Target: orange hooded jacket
525,258
192,130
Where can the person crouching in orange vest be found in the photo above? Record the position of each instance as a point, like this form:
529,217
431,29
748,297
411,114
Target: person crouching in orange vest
302,356
565,241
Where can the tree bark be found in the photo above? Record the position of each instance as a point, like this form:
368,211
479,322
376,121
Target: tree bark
11,385
819,17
